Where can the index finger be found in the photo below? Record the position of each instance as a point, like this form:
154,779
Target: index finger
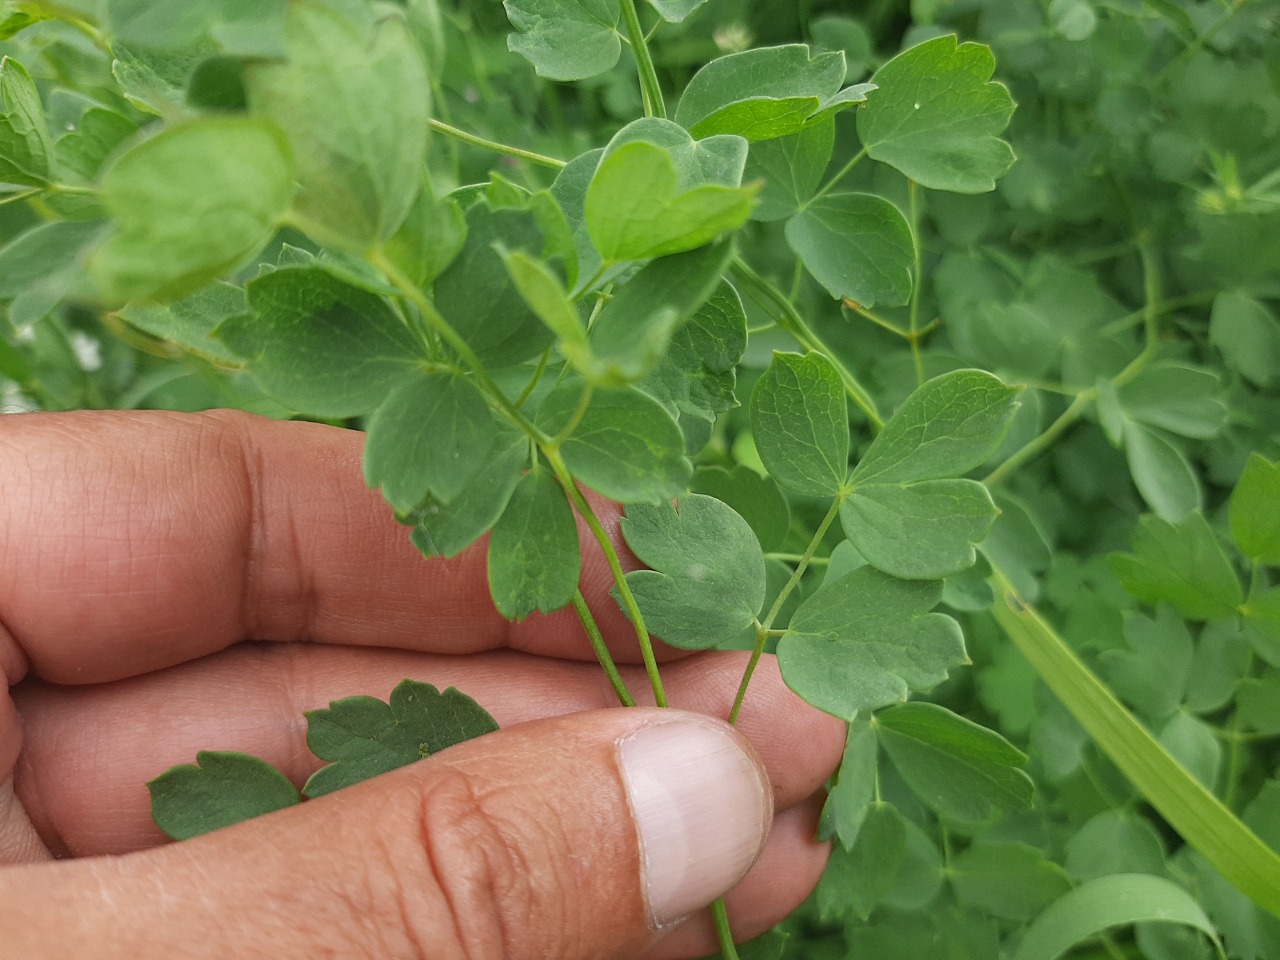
134,541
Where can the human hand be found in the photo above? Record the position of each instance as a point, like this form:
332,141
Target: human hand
139,550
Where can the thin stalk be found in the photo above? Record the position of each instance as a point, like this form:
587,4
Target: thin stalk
20,196
917,279
650,90
840,175
728,949
538,371
763,631
789,319
1039,444
602,652
579,412
409,290
615,567
503,148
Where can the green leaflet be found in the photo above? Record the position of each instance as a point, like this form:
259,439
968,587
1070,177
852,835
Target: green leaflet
448,529
1107,902
1114,841
39,267
791,169
477,296
651,199
362,737
936,116
429,437
565,39
948,426
191,321
432,234
861,878
190,205
631,336
867,639
26,150
707,581
850,795
1009,880
1181,564
1161,473
533,553
766,93
675,11
801,424
358,147
221,789
963,771
1181,399
905,514
858,246
626,446
320,345
755,498
1255,511
1248,336
696,377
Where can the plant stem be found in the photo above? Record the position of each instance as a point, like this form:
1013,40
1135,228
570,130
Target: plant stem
506,149
728,949
763,628
834,181
409,290
602,652
789,319
650,90
1040,443
615,567
917,279
19,196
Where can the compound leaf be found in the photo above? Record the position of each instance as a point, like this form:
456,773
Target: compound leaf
800,423
626,446
190,205
1255,511
363,736
221,789
962,770
534,561
936,117
320,345
918,531
948,426
706,579
1181,564
857,245
865,640
430,436
565,39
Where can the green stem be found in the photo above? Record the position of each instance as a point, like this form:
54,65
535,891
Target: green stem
650,90
917,279
20,196
834,181
504,148
763,628
789,319
602,652
615,567
579,412
728,949
1039,444
409,290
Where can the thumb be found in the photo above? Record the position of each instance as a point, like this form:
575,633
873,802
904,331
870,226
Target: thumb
583,836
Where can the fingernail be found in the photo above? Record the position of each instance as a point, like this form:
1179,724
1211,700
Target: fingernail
702,808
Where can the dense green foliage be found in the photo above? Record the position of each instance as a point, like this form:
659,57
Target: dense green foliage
919,404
